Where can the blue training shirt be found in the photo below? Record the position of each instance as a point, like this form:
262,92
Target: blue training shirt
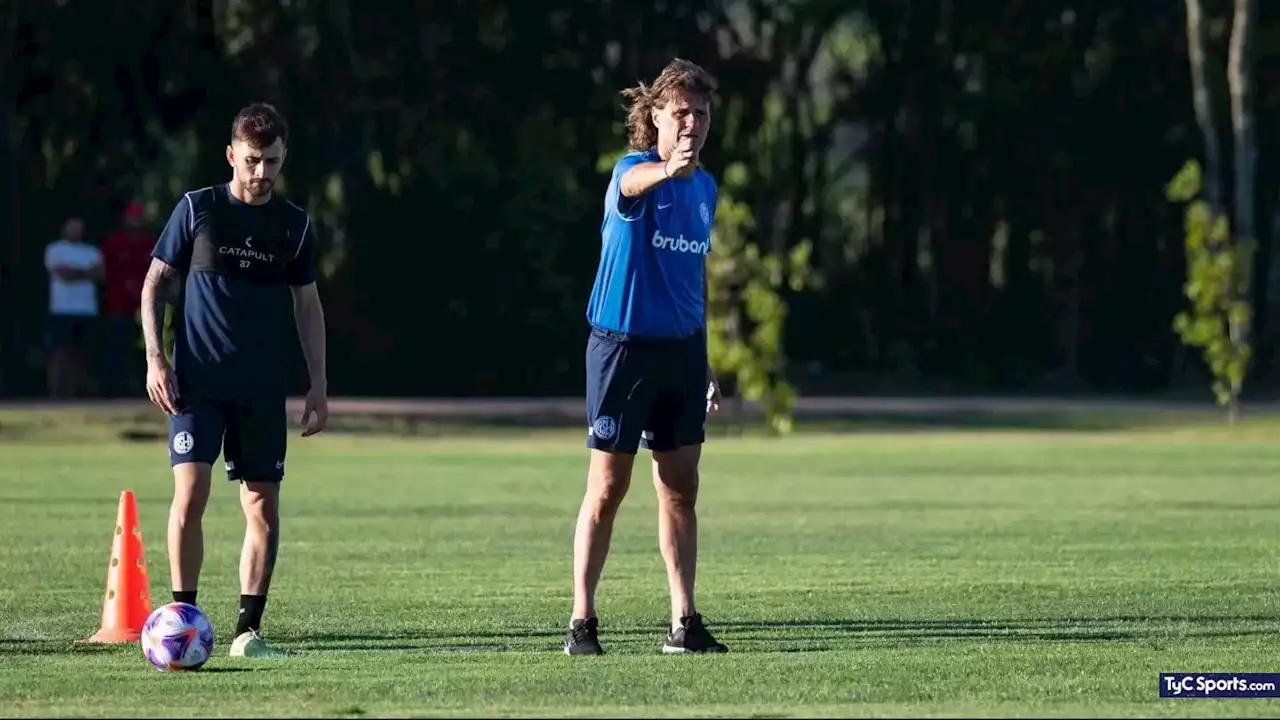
652,255
236,307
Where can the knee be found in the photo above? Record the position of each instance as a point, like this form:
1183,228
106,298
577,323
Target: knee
677,484
186,510
679,492
191,493
606,495
608,478
260,502
605,491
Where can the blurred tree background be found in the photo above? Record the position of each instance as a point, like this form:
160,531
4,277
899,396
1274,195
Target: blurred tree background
977,190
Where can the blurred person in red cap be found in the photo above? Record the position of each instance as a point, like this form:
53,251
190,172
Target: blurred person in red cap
126,256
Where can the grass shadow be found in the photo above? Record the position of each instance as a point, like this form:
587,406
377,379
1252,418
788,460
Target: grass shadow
820,635
443,641
31,648
889,623
1118,628
13,647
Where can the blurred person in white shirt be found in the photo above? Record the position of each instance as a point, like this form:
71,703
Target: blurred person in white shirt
75,269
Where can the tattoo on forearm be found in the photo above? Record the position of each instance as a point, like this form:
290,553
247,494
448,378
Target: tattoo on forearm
157,290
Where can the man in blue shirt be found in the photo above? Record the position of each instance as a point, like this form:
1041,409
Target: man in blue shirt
229,259
648,380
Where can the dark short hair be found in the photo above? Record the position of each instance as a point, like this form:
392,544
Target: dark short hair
259,125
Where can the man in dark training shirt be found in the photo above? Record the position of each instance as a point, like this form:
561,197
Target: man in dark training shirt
230,259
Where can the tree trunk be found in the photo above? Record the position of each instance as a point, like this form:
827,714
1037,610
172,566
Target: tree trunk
1240,83
1211,182
1202,99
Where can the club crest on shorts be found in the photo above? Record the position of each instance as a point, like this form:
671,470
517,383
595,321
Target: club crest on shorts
183,442
604,428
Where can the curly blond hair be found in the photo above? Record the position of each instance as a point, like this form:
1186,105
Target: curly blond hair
678,75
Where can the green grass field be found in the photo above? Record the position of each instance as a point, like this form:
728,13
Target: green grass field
898,573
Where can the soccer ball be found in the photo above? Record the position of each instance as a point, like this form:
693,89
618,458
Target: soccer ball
177,636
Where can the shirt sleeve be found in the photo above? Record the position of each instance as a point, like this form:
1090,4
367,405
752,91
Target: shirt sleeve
175,242
302,269
627,208
50,256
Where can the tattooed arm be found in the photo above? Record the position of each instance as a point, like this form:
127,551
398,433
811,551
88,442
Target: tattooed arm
157,290
172,257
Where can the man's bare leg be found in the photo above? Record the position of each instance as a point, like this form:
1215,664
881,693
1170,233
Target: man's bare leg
608,477
675,477
261,504
186,528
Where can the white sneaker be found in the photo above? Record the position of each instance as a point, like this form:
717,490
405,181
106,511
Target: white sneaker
251,645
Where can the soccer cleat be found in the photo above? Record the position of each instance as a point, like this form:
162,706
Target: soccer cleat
582,638
251,645
692,637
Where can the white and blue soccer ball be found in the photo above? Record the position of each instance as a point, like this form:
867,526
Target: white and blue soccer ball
177,636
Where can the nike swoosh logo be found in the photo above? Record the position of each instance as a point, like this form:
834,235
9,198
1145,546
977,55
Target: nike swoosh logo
664,207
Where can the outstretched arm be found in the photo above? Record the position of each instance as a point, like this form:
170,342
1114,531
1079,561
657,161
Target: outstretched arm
642,178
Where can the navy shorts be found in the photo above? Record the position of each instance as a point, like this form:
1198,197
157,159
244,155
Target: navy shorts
645,392
68,331
251,434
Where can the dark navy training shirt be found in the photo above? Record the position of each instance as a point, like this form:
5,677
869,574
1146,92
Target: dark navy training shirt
650,278
239,261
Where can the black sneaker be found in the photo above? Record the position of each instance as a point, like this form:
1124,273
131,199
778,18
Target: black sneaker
692,637
582,638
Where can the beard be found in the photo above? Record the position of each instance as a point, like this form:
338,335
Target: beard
258,187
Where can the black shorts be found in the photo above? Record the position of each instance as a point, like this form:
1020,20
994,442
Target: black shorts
645,392
252,435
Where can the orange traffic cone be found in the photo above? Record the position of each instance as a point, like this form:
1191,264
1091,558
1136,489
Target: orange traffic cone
128,601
